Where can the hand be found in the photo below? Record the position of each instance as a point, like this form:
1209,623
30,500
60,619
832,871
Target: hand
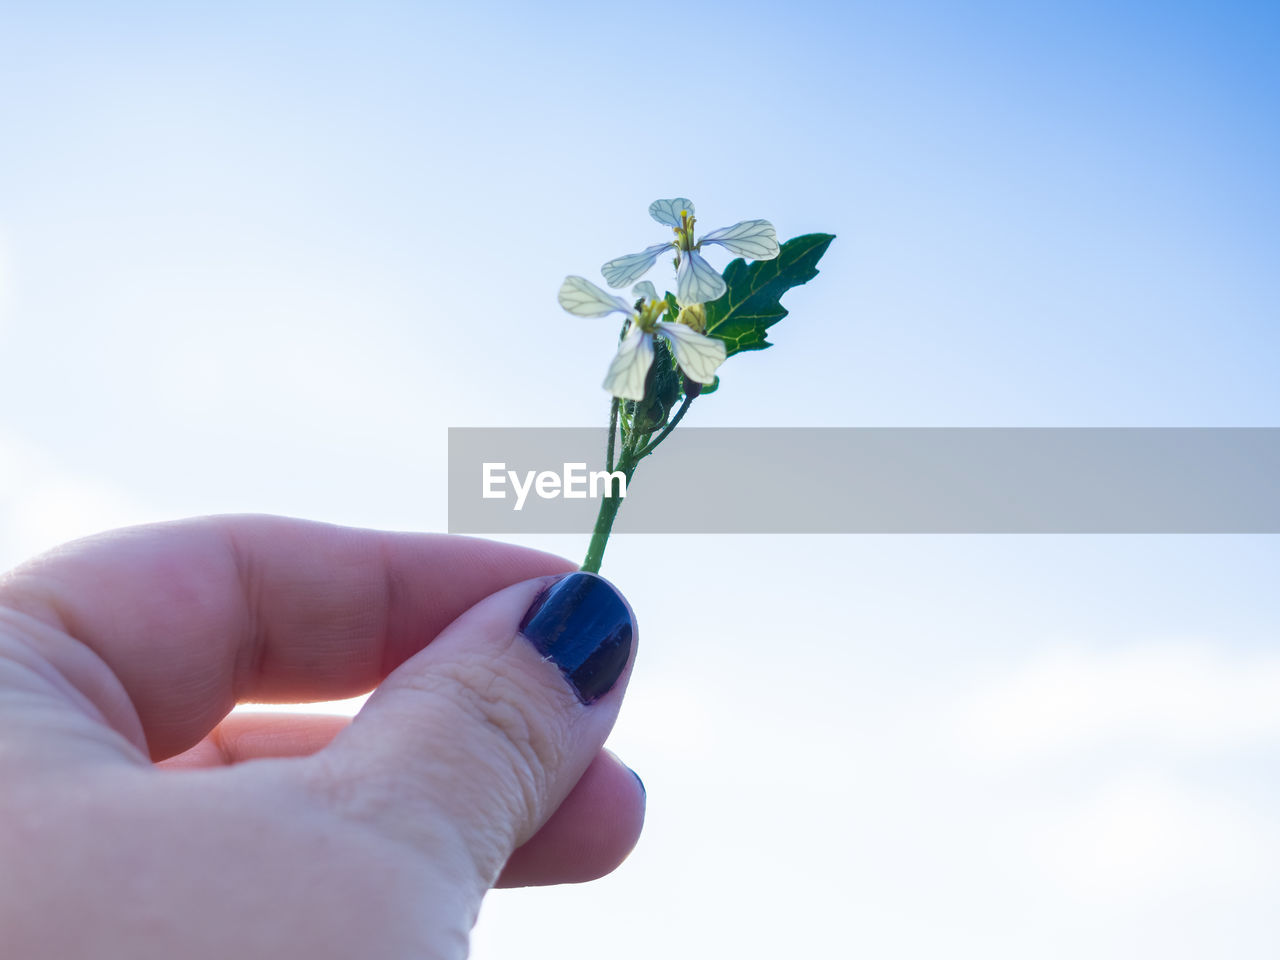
137,822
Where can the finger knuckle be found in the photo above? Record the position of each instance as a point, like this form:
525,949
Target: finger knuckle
511,720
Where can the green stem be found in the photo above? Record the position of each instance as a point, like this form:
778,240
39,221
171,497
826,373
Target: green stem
613,429
684,407
608,512
634,449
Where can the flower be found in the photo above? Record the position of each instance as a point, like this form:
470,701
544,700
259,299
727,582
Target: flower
697,354
698,282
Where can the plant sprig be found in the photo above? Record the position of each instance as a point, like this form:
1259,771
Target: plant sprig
670,347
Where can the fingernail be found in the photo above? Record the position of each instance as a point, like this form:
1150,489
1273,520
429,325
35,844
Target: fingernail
581,624
641,782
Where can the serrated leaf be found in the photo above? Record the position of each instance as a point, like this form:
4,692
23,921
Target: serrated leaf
751,305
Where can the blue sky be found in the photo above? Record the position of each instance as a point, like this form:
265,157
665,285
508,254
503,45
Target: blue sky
261,256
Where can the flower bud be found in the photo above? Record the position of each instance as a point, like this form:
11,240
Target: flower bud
694,316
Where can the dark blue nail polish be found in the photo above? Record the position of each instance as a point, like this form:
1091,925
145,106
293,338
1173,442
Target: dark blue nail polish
581,624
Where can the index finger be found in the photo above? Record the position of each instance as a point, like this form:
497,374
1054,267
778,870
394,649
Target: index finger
195,616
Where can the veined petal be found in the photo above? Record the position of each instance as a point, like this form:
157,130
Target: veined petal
698,281
697,354
629,269
583,298
626,374
668,212
644,289
754,239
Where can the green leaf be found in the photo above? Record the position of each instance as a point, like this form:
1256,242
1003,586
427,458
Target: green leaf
751,304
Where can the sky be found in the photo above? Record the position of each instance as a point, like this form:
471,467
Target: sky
261,256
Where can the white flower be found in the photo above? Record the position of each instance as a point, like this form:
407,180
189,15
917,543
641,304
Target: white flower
698,281
697,354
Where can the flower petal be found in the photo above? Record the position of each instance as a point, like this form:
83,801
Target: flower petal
668,211
626,374
755,239
583,298
697,354
644,289
629,269
698,281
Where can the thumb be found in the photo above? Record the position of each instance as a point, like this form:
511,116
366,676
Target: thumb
468,747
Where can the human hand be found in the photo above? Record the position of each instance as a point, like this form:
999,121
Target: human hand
135,821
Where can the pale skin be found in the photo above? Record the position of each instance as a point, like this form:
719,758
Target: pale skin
137,820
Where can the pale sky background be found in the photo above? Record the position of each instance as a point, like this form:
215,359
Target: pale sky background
260,256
